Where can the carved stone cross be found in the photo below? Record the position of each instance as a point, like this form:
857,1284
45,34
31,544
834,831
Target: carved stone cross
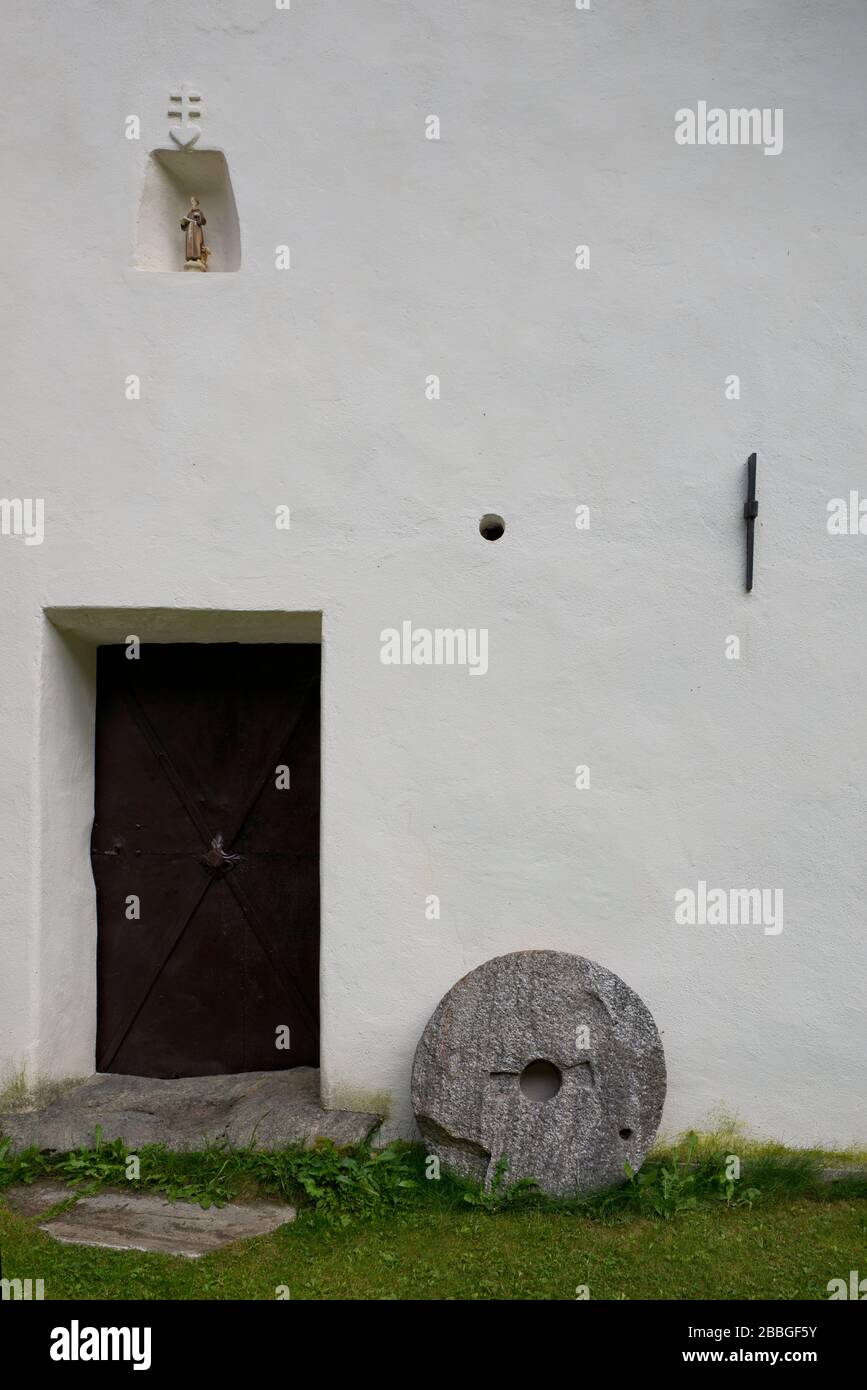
187,107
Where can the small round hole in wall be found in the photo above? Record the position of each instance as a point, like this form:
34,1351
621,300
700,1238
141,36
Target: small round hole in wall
626,1134
491,526
540,1080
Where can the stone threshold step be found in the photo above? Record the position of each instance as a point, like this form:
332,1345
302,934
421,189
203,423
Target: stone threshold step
269,1109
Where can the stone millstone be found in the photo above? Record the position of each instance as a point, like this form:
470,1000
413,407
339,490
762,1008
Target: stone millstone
475,1102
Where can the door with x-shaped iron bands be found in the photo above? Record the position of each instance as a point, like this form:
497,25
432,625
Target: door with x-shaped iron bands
205,853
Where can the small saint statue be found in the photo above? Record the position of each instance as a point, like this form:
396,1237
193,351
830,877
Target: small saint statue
196,253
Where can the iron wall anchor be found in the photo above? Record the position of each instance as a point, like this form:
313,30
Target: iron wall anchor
751,510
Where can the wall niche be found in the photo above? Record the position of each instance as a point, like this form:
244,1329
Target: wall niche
172,177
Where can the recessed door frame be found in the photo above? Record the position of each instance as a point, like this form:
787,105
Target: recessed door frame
62,938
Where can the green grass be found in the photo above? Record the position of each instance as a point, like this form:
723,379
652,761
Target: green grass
371,1226
782,1252
729,1135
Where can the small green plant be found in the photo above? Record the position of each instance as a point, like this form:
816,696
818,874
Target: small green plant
667,1189
727,1189
338,1184
680,1183
499,1196
88,1170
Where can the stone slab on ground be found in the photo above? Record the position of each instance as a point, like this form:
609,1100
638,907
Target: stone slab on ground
35,1198
145,1221
844,1173
271,1109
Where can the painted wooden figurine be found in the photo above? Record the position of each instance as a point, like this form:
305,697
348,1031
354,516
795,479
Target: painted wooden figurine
196,252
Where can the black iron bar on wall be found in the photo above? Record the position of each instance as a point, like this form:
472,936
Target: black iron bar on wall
751,508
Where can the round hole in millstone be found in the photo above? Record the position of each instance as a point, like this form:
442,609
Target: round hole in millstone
540,1080
492,526
625,1133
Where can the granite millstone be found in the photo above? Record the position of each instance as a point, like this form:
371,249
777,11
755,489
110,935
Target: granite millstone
476,1103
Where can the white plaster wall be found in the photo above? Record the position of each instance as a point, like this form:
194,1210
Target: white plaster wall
559,387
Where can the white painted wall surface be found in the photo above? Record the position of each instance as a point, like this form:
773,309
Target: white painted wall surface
560,387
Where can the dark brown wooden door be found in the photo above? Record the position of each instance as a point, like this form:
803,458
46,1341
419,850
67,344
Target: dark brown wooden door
190,821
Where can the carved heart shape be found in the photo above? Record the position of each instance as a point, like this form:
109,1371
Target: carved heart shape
184,135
